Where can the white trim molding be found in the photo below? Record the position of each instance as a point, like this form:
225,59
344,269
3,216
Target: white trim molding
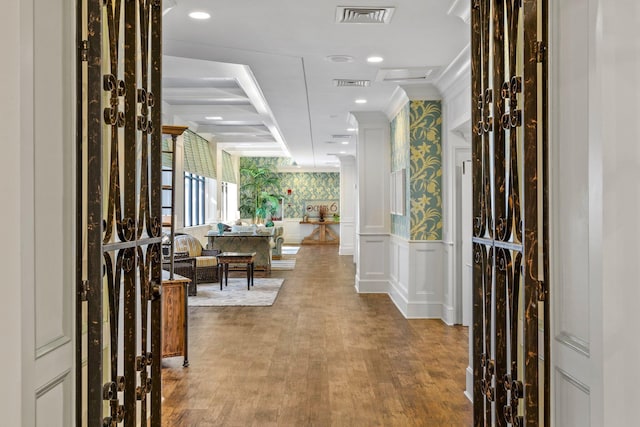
372,272
416,278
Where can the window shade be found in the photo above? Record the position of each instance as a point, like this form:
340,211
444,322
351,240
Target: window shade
228,174
166,157
197,155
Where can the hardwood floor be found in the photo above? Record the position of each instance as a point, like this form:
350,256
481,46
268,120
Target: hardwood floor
322,355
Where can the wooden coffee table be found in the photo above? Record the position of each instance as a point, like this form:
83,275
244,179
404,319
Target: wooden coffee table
226,258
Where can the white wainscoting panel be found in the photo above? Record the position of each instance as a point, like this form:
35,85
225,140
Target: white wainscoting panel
416,288
50,256
293,230
373,269
575,398
347,229
50,407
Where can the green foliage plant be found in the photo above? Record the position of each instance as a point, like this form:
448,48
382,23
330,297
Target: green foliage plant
259,192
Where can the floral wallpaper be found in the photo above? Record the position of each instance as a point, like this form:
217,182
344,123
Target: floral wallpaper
308,186
426,170
400,143
304,185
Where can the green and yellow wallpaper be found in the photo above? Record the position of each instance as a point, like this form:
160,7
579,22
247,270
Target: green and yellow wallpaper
304,185
416,144
426,170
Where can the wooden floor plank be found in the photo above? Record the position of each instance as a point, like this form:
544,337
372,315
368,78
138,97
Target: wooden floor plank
322,355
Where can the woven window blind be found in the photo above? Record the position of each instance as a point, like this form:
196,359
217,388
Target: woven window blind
198,158
228,174
166,157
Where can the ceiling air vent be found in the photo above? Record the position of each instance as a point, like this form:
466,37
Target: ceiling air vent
351,83
407,75
340,136
364,15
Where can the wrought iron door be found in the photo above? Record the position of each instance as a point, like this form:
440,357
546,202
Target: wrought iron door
118,208
510,297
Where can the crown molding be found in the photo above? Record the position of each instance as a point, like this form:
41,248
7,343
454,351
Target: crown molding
398,100
419,92
459,68
461,9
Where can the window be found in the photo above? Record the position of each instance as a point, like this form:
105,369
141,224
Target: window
229,202
194,199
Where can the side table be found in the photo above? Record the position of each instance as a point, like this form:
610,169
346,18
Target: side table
226,258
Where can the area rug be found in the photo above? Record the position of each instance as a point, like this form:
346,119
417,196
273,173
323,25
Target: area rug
290,250
263,293
283,264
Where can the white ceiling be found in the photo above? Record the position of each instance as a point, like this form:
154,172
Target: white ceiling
262,67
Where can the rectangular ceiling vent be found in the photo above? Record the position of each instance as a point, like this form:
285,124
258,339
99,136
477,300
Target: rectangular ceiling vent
407,75
351,83
340,136
364,15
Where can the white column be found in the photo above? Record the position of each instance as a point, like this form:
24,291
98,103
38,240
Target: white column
374,219
348,180
617,65
10,305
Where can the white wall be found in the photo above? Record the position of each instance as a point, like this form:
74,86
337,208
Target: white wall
37,185
595,206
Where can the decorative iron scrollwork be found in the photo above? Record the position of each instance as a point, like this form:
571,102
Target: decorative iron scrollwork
508,94
119,75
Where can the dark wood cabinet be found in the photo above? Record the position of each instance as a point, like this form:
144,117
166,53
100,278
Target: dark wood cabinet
175,318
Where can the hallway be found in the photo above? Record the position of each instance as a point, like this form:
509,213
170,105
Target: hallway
322,355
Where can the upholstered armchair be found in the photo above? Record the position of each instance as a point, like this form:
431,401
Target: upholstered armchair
206,270
278,240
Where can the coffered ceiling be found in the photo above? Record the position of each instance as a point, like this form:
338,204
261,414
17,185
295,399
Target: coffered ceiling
280,77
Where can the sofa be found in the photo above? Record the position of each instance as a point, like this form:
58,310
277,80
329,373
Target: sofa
260,242
278,240
206,263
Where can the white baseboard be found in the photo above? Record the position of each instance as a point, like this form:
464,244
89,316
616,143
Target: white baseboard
372,286
469,391
449,315
345,251
424,310
414,309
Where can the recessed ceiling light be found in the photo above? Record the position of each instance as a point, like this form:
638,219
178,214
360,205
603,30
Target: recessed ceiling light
213,118
199,15
375,59
361,101
345,142
351,129
343,152
339,58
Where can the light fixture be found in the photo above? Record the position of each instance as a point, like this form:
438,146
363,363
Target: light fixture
375,59
361,101
213,118
351,129
199,15
345,142
343,152
339,58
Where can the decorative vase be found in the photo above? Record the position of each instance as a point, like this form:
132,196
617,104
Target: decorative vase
220,228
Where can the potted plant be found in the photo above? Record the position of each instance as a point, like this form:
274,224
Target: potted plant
259,198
